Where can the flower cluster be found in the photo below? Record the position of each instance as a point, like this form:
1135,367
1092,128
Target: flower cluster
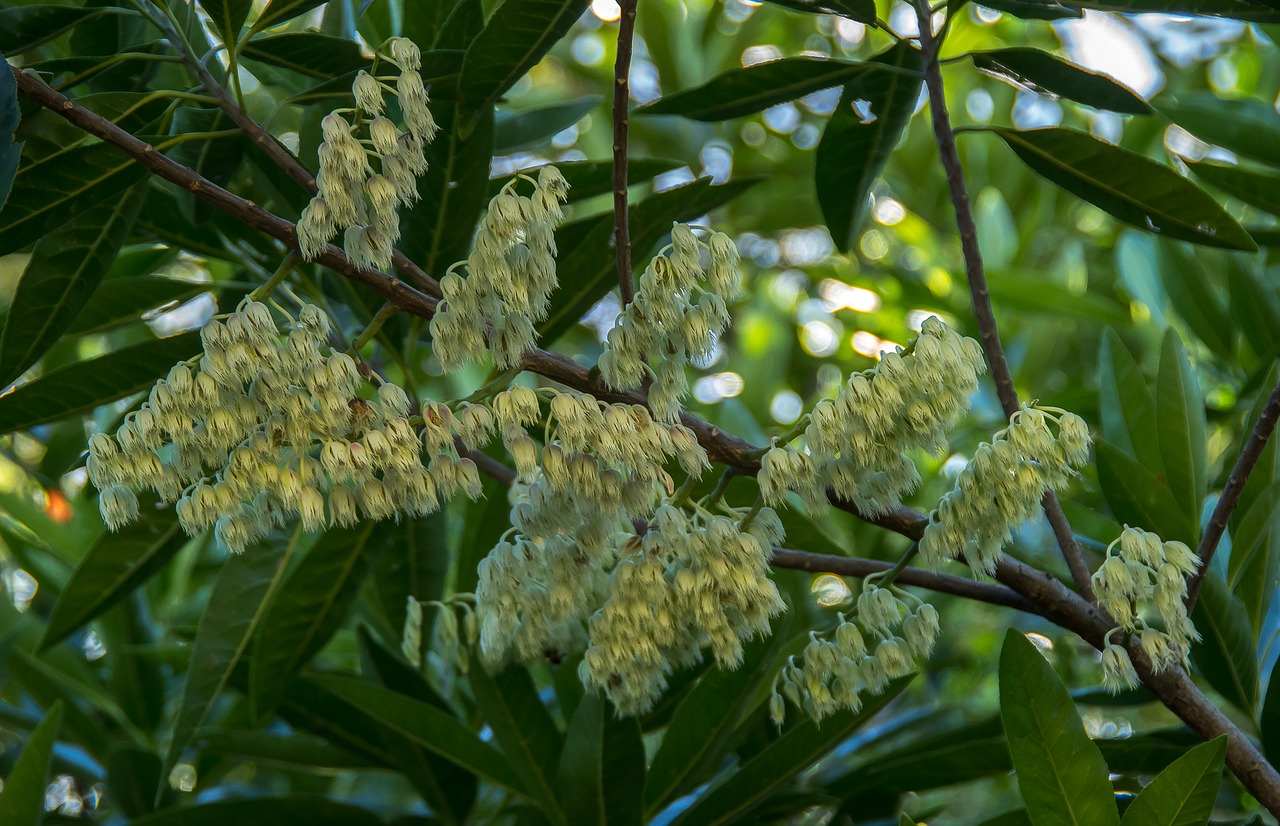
260,429
510,275
861,655
678,313
1145,576
351,195
1002,486
856,442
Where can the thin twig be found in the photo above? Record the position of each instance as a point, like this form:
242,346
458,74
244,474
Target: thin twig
1230,496
621,121
982,311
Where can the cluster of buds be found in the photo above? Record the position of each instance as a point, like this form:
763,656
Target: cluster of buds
881,642
691,582
511,273
351,196
1145,577
856,442
260,429
678,313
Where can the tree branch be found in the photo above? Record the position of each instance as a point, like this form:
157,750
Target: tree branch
1230,496
982,311
621,120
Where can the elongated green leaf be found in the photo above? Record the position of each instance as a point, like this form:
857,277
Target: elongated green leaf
43,200
114,567
237,603
522,725
118,301
22,801
426,725
65,268
418,567
228,16
1184,793
278,11
48,686
511,43
590,178
1180,426
133,775
1255,188
308,53
294,749
601,774
1127,405
1187,286
1253,571
1227,656
308,608
528,128
1254,308
864,11
1127,185
1043,71
1247,127
1029,292
10,148
1060,771
1256,12
1035,9
781,760
1269,720
874,109
86,384
1137,497
588,269
755,88
24,27
294,810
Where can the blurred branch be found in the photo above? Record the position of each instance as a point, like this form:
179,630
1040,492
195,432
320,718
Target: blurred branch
621,121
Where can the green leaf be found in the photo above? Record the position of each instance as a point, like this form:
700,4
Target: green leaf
48,685
590,178
308,608
601,775
133,775
1060,771
1127,405
308,53
1254,308
864,11
528,128
588,267
1180,428
1129,186
773,766
278,11
1035,9
1254,564
228,16
516,37
1028,292
1184,793
22,28
1227,656
294,749
83,385
22,801
65,268
1255,188
116,566
418,567
522,726
1190,294
1247,127
119,301
10,148
1043,71
237,603
426,725
1137,497
294,810
1269,720
755,88
1246,10
44,199
873,112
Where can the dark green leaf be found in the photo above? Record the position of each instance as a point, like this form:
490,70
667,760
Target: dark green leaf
84,385
1254,308
1128,406
1060,771
116,565
278,11
133,775
228,16
308,608
48,685
465,21
1227,656
49,197
22,801
425,22
1255,188
522,726
1137,497
1269,721
303,750
755,88
874,110
295,810
216,158
601,775
775,765
119,301
235,609
588,270
1034,9
521,130
864,11
1247,127
1180,428
1248,10
1127,185
24,27
426,725
10,149
1184,793
417,565
1188,288
308,53
1043,71
1254,564
590,178
65,268
511,43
